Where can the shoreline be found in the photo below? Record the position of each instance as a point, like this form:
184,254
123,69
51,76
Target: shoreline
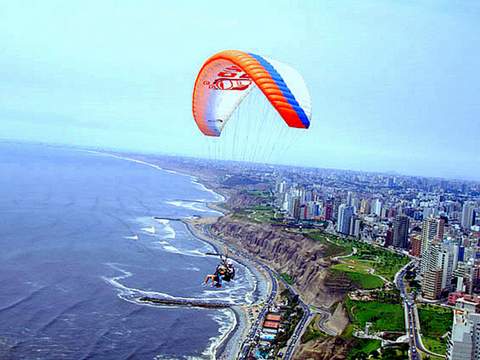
229,345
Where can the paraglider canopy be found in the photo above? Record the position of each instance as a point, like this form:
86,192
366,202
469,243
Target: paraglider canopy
227,77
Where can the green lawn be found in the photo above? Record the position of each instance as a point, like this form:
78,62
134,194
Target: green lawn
437,345
435,321
385,262
363,348
358,273
258,214
260,194
383,316
332,247
288,278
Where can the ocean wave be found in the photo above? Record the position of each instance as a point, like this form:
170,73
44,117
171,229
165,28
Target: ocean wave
162,242
167,230
23,299
171,249
227,321
133,295
199,185
191,205
166,234
192,268
168,247
149,229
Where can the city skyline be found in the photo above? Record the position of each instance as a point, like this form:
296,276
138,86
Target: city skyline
394,86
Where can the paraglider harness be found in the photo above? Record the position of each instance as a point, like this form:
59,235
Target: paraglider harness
225,271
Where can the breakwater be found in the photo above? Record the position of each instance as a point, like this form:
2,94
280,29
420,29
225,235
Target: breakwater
184,302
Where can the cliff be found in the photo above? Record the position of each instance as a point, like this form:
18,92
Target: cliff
300,257
329,348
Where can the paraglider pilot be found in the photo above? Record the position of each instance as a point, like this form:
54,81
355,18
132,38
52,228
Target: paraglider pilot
224,272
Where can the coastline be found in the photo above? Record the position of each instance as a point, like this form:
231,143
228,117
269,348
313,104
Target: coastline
229,344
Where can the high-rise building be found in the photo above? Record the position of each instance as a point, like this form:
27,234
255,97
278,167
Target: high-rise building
349,198
427,212
440,228
345,214
377,207
463,274
464,342
468,214
429,231
416,245
400,231
355,223
432,284
364,207
388,238
328,211
438,264
281,186
391,213
296,208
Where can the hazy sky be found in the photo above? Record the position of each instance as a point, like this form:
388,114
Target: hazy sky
395,85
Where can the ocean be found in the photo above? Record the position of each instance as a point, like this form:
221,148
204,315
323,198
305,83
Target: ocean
83,236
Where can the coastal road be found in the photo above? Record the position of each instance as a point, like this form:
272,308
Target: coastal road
301,326
255,329
250,339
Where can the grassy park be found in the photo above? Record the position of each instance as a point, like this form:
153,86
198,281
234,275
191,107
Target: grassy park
333,245
383,316
383,261
258,214
435,322
358,274
363,348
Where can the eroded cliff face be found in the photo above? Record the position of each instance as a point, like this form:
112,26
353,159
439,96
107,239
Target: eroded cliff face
330,348
242,200
294,254
339,320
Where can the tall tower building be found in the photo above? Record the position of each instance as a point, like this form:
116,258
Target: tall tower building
400,231
365,207
377,207
388,238
355,224
440,228
464,342
328,211
345,214
468,214
349,198
296,208
438,264
429,231
416,245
